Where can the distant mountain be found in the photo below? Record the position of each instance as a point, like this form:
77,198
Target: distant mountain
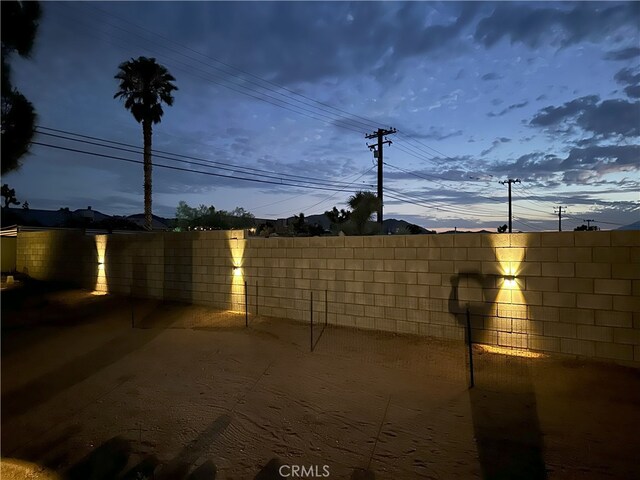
631,226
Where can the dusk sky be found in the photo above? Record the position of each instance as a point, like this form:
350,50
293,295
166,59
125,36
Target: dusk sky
548,93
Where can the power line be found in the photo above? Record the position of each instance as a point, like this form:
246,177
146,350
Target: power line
367,123
338,119
334,194
192,160
437,206
171,167
409,172
347,123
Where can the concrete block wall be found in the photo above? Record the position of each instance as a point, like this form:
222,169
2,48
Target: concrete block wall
569,292
8,250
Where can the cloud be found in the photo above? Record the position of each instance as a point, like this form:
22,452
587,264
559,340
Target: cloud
631,78
534,26
600,160
627,76
624,54
612,117
434,133
491,76
508,109
494,145
580,166
606,118
632,91
553,115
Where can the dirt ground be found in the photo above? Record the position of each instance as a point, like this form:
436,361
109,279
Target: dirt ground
188,392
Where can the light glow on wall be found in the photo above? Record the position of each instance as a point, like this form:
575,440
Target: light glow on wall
236,247
102,286
513,352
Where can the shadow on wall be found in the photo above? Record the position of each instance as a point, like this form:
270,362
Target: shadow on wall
66,257
177,261
505,420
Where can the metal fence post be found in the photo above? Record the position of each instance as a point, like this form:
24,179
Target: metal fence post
326,308
246,305
312,321
472,383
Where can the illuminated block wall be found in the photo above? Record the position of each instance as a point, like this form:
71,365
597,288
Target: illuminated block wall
575,293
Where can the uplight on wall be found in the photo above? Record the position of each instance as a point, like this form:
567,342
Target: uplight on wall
102,285
236,294
510,281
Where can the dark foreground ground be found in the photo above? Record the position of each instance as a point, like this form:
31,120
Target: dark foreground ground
191,393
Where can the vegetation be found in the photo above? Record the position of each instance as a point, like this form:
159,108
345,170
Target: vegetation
337,218
356,221
302,228
9,195
586,228
363,205
19,27
189,218
145,86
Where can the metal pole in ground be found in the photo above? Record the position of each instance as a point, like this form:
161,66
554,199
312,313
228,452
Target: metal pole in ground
326,309
246,305
312,321
257,297
470,343
133,324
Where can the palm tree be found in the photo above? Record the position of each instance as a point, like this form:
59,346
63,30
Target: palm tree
144,86
364,205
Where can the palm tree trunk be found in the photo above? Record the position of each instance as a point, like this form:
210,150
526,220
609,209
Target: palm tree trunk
146,130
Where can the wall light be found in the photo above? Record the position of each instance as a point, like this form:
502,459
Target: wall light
237,270
510,280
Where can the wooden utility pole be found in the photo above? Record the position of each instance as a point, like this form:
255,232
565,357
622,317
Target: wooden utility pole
377,152
509,182
559,212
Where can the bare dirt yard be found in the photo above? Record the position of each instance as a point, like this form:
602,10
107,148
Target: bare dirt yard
188,392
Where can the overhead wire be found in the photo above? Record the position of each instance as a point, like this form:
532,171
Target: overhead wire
191,159
182,169
343,119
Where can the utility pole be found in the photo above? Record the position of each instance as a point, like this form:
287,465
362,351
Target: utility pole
509,182
588,223
377,153
559,212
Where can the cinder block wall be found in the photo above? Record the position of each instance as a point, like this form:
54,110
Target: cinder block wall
569,292
8,246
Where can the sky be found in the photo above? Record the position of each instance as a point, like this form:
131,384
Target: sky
547,93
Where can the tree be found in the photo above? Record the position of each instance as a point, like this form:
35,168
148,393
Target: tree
203,216
586,228
9,195
336,216
144,86
19,27
503,228
25,205
363,205
299,224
